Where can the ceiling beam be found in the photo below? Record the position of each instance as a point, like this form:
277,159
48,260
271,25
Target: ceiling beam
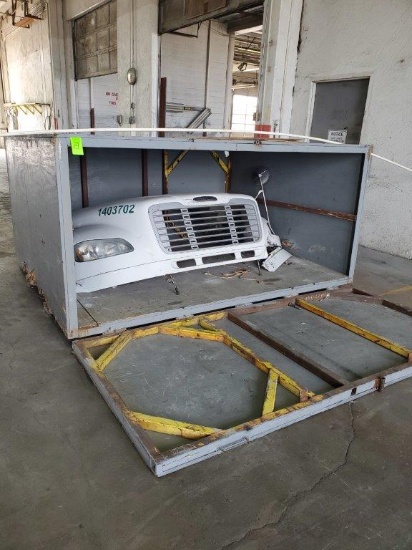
245,23
175,15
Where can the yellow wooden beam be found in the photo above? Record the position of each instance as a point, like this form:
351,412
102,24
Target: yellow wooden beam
142,332
228,176
284,380
112,351
194,321
118,344
220,162
348,325
169,169
191,333
207,325
169,426
270,397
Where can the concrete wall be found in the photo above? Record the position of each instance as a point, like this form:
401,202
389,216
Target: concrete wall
347,39
26,61
196,71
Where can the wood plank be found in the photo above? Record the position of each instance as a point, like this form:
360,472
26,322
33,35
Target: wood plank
397,307
270,398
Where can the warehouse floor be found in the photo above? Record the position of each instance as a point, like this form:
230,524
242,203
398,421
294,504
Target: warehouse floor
71,479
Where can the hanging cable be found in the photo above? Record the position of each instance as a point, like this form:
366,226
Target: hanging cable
257,133
262,192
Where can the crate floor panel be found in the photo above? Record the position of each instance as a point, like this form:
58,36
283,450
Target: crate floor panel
201,287
343,352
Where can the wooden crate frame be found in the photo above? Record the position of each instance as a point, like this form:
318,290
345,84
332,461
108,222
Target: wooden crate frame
208,441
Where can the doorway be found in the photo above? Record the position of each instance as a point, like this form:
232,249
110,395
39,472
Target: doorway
339,109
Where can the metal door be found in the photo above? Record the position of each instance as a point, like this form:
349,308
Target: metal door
339,110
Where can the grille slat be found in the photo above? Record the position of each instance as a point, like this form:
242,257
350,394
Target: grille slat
196,211
225,242
203,218
180,228
210,237
183,228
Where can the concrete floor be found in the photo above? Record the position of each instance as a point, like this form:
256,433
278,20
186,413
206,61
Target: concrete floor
71,479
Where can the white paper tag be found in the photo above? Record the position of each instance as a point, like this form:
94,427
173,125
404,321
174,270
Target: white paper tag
339,136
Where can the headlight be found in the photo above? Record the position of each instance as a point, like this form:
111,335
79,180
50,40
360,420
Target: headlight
86,251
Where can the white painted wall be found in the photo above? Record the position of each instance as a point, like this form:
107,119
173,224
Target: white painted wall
352,38
196,68
75,8
195,78
101,93
280,36
138,47
26,59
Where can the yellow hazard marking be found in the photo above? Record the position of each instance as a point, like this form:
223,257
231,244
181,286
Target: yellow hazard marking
364,333
270,398
169,426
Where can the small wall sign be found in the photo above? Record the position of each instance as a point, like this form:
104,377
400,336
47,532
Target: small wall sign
339,136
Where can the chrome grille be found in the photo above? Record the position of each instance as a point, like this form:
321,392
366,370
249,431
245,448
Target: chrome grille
180,228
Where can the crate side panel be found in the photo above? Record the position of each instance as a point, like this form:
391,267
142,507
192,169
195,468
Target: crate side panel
36,218
330,182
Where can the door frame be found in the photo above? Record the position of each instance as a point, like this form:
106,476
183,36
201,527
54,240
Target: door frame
335,78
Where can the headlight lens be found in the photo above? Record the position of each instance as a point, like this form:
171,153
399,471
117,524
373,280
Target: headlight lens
86,251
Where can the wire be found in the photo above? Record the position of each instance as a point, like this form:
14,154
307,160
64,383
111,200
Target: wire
17,133
262,191
392,162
